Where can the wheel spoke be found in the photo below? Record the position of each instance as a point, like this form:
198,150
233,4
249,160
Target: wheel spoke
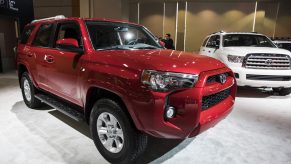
102,130
109,144
119,143
119,133
113,120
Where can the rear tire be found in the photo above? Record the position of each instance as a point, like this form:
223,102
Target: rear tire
113,134
28,92
282,91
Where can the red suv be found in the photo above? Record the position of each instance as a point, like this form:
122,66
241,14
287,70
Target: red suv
117,77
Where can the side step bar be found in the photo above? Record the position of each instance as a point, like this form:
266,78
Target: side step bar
61,106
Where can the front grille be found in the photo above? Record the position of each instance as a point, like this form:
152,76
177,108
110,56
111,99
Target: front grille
268,77
211,100
215,78
267,61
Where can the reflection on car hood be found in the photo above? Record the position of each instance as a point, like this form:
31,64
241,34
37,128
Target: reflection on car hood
161,59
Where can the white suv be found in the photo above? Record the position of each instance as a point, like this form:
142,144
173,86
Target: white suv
254,59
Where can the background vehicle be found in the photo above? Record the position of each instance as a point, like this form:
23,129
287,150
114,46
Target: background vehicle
254,59
118,78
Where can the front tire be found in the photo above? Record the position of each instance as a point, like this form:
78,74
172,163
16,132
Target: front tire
282,91
113,134
28,92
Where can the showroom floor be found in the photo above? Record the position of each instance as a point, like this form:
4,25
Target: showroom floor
257,131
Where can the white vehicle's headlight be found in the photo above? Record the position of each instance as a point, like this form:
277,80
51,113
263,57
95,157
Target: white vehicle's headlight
166,81
235,59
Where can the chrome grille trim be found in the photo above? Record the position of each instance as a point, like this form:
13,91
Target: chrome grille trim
267,61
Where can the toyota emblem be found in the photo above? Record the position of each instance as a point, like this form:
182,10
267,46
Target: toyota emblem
269,62
222,78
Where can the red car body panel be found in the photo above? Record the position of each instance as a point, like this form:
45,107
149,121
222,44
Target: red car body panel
70,76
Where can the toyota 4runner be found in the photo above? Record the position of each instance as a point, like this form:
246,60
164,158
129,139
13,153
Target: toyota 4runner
117,77
254,59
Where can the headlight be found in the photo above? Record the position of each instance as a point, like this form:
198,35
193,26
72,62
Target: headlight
235,59
166,81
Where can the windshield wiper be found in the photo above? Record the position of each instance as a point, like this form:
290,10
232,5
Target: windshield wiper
113,48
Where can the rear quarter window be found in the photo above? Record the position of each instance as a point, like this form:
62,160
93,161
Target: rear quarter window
26,34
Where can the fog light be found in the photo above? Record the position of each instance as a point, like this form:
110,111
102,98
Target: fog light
236,75
170,112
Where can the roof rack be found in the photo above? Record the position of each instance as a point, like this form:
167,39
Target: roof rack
218,32
49,18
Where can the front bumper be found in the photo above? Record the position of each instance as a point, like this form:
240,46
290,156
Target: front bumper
190,119
244,81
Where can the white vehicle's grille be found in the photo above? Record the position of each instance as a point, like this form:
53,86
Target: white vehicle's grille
267,61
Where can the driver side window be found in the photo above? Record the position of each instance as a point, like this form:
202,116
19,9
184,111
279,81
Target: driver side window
69,30
213,42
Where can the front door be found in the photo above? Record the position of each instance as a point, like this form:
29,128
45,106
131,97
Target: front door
65,66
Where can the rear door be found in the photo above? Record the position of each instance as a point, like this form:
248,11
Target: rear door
39,49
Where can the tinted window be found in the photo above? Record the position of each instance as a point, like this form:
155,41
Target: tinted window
246,40
43,35
213,41
69,30
26,34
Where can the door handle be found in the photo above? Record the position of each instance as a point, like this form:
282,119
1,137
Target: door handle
48,58
29,54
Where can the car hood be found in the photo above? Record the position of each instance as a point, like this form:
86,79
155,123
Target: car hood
243,51
163,60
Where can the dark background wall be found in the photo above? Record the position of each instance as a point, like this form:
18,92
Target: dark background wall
14,15
19,9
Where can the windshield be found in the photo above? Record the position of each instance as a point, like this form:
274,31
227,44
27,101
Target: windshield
239,40
111,35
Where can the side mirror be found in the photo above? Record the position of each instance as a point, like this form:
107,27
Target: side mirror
69,44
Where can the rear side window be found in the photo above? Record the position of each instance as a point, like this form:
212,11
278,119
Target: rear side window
26,34
43,35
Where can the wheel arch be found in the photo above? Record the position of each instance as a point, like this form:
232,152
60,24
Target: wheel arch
95,93
21,68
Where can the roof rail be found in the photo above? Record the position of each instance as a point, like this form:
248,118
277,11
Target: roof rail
50,18
218,32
